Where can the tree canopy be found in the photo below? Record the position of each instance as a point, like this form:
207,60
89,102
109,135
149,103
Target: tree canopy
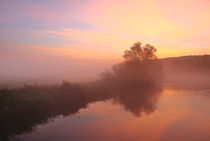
140,68
139,53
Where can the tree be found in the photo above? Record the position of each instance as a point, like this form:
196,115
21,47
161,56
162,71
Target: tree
138,53
141,67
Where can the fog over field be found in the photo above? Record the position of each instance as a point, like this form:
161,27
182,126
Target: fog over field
50,69
188,71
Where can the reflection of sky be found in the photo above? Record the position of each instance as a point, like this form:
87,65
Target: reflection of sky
180,115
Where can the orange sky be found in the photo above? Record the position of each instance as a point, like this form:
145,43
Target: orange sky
108,27
102,29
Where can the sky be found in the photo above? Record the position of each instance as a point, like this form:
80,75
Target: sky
38,36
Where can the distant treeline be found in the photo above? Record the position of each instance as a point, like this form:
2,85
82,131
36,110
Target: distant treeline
196,63
188,72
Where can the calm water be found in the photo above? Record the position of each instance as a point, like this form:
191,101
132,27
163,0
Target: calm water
170,115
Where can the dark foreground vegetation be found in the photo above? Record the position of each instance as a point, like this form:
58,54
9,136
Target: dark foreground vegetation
135,84
24,108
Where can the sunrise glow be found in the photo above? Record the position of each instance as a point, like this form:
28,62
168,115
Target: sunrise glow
105,28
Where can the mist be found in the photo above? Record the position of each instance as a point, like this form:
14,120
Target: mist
30,69
188,71
18,68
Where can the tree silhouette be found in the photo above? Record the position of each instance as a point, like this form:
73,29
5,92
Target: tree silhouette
141,68
138,53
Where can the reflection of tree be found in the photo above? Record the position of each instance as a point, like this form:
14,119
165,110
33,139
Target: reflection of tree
139,100
137,81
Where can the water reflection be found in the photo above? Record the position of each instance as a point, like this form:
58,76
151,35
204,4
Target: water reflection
21,112
179,115
138,100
